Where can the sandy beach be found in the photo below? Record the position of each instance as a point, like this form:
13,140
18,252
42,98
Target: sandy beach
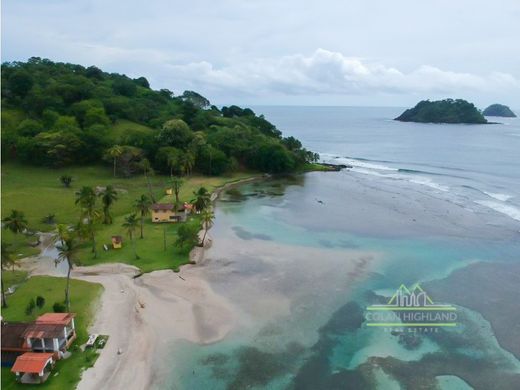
141,315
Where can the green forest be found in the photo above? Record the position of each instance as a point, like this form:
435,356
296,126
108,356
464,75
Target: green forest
443,111
59,114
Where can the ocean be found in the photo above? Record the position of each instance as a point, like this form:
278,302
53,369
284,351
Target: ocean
303,258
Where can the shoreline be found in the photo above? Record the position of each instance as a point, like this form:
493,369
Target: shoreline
137,313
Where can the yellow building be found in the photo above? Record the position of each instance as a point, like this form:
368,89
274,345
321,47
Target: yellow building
164,212
169,191
117,242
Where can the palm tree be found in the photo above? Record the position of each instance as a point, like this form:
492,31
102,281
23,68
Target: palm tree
115,152
7,261
108,197
68,251
172,161
142,205
187,162
148,171
66,180
86,198
15,222
202,198
207,221
130,225
177,184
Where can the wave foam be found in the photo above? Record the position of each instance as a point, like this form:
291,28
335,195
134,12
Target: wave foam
498,196
508,210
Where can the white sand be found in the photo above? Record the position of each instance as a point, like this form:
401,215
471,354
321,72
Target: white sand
141,315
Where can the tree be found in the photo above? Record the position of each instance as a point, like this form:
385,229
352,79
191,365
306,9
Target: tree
142,205
187,161
196,99
20,83
15,222
49,219
7,261
66,180
108,197
40,301
130,226
148,171
67,251
115,152
86,198
187,236
175,132
202,198
168,159
177,184
207,221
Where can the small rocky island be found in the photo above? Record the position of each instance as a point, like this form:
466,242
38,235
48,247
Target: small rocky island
499,110
443,111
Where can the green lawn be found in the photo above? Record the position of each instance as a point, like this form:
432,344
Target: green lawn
37,192
11,278
84,297
21,245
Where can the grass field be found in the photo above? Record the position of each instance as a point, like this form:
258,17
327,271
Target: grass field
38,192
84,297
12,278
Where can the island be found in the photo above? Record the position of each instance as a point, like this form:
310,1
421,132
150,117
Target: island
499,110
443,111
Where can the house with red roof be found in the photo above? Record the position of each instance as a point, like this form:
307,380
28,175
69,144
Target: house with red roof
51,332
32,348
33,367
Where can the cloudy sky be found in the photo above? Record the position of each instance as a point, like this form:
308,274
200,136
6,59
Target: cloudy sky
345,52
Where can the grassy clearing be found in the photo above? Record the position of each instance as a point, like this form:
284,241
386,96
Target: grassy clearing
123,126
21,245
12,278
38,192
84,296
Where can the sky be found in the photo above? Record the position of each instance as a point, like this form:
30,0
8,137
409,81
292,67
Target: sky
284,52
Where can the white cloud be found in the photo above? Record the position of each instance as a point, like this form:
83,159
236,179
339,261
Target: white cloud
327,72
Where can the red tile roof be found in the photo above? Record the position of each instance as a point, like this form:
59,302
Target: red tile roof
55,318
162,206
31,362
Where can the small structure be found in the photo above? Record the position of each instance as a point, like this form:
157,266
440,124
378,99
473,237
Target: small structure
164,212
33,367
169,191
117,242
51,332
188,208
91,340
13,342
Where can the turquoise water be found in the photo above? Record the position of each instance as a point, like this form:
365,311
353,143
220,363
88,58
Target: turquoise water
301,258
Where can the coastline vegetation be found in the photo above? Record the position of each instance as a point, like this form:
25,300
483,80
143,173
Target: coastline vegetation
499,110
58,115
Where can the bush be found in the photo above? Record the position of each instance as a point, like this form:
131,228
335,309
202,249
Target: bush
59,307
30,307
40,301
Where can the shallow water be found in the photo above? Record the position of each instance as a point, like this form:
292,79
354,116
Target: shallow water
301,258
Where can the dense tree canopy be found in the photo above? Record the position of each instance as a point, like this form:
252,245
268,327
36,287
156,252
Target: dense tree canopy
443,111
499,110
58,114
